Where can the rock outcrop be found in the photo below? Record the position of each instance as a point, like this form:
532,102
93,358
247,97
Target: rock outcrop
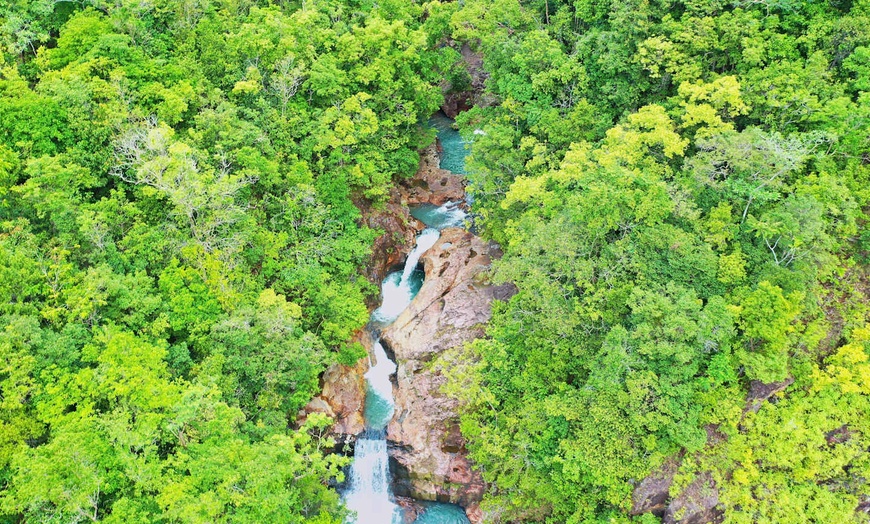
462,98
431,184
342,397
698,503
759,393
429,460
399,230
652,494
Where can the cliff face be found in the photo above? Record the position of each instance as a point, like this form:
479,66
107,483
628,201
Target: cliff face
428,451
342,397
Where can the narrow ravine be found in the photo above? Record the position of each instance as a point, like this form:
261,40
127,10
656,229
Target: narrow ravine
368,492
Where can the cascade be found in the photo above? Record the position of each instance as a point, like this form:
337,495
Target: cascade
368,492
368,488
399,288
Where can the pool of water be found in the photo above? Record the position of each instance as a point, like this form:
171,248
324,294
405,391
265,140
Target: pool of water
454,151
442,514
439,217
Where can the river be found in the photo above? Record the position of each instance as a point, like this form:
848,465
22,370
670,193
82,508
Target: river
368,491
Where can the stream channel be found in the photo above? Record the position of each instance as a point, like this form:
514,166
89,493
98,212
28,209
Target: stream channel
368,486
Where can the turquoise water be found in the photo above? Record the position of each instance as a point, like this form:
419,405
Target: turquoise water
368,492
448,215
442,514
454,151
399,288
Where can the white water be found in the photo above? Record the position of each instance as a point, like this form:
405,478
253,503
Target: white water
398,289
450,214
425,240
379,410
368,492
369,495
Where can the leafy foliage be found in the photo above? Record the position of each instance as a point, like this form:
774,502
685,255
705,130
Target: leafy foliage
661,176
180,250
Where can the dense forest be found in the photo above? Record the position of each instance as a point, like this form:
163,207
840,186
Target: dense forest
179,251
680,189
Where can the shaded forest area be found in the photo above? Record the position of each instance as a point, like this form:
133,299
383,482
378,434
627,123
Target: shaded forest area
680,189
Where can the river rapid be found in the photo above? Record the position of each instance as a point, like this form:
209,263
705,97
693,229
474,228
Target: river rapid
368,492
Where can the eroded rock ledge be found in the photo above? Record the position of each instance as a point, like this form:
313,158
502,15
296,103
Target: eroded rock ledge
431,184
343,388
428,451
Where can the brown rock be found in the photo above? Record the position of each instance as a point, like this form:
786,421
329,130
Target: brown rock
431,184
411,509
399,230
653,492
474,514
458,99
697,504
759,392
839,435
342,397
457,102
429,457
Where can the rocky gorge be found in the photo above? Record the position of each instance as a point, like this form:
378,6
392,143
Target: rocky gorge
428,451
428,459
427,456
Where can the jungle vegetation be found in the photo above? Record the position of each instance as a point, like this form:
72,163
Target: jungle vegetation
680,188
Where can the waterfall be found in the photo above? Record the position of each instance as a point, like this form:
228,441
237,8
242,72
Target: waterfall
426,240
369,495
379,373
368,492
398,289
368,489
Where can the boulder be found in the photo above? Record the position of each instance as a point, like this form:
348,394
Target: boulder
474,513
456,102
431,184
759,393
697,504
342,397
653,492
411,509
429,459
